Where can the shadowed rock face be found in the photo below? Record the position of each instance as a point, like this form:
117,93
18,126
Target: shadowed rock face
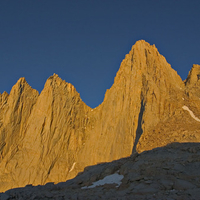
170,172
50,137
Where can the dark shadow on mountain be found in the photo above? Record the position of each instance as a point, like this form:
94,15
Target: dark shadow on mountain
153,163
99,171
139,130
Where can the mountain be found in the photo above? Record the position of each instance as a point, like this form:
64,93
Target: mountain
54,135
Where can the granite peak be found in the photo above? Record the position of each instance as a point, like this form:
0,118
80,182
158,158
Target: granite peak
54,135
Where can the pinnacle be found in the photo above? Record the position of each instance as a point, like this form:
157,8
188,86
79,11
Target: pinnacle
142,44
54,76
22,80
196,66
55,80
193,76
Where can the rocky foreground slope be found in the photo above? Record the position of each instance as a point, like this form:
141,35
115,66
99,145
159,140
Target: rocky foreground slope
170,172
52,136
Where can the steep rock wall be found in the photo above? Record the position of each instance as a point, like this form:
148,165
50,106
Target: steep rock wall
52,136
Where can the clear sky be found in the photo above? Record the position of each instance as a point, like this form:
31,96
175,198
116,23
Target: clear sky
84,41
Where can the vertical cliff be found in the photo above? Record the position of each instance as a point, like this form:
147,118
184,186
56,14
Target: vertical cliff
50,137
146,90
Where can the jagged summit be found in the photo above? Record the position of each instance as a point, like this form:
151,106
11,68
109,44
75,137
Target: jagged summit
192,82
193,76
145,58
22,80
54,77
142,42
142,45
52,136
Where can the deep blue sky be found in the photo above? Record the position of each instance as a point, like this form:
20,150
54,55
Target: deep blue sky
85,41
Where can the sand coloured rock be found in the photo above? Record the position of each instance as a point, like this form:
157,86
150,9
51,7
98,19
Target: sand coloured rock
54,135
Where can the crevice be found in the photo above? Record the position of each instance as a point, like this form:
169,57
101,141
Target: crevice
139,129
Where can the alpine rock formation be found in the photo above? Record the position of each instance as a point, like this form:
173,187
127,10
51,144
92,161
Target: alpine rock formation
54,135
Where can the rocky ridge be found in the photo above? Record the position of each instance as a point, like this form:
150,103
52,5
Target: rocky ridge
52,136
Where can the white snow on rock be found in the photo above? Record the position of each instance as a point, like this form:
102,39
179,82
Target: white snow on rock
72,167
191,113
110,179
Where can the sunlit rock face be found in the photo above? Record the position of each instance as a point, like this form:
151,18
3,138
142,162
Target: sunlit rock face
52,136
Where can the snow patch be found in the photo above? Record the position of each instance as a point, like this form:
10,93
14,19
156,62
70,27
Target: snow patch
110,179
191,113
72,167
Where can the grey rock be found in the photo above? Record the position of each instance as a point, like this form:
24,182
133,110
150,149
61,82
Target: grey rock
195,193
183,185
168,175
4,196
168,184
